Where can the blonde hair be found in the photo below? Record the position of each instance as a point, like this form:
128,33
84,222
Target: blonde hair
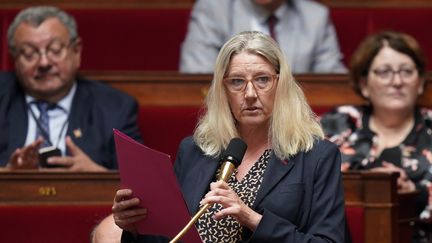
293,126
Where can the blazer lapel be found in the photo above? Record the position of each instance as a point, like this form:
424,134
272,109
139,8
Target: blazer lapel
275,171
80,112
204,173
18,121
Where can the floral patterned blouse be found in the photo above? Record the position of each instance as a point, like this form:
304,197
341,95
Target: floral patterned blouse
348,127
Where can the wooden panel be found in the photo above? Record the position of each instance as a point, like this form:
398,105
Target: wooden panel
388,215
34,187
174,89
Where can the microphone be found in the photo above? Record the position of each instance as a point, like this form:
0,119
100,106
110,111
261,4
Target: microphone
230,159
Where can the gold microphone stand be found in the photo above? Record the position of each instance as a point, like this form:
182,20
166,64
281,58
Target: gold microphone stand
225,174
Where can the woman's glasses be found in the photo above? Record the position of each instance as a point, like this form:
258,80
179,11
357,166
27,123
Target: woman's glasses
386,75
262,82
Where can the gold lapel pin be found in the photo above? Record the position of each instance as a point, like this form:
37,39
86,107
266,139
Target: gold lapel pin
77,133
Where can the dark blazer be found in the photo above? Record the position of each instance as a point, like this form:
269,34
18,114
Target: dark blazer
96,110
301,199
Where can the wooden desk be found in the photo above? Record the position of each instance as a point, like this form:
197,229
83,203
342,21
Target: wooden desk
387,214
51,207
57,188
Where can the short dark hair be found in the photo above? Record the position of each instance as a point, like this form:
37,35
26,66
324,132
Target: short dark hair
362,58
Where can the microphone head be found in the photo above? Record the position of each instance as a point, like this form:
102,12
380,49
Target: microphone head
235,151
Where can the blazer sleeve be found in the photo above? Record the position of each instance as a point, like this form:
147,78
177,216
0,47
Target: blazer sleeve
323,216
204,38
128,122
327,55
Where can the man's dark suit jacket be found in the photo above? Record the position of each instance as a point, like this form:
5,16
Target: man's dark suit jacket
96,110
301,199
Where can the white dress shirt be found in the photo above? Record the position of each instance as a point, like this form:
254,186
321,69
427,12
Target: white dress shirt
58,119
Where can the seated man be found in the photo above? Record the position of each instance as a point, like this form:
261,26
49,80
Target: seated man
303,30
44,104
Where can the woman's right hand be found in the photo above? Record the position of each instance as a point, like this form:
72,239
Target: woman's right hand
126,211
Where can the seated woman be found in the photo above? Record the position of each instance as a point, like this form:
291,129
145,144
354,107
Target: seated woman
390,133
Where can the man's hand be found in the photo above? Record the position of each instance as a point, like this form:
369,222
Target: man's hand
26,157
78,161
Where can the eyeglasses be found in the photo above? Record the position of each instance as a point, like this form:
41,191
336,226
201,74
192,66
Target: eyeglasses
387,75
55,51
263,82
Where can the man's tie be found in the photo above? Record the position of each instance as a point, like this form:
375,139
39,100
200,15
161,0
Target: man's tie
43,122
271,21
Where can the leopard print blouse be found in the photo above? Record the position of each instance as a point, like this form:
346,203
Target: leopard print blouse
228,229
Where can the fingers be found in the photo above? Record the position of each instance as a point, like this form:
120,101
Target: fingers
392,167
234,209
218,193
65,161
345,166
26,157
122,194
123,200
74,150
219,184
127,222
389,165
38,142
125,211
14,159
232,205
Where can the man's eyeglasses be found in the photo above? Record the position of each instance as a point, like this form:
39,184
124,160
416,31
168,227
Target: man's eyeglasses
55,51
387,75
263,82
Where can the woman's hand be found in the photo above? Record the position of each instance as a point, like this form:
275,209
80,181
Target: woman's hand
403,182
345,166
125,210
232,205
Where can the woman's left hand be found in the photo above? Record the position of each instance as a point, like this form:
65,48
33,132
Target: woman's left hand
232,205
404,183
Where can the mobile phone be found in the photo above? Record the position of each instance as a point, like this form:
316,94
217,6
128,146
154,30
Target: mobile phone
45,153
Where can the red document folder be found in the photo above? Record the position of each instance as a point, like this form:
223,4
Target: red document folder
150,175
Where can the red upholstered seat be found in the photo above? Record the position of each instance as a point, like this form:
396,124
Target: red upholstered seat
355,218
132,39
49,224
120,39
149,39
163,128
354,24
